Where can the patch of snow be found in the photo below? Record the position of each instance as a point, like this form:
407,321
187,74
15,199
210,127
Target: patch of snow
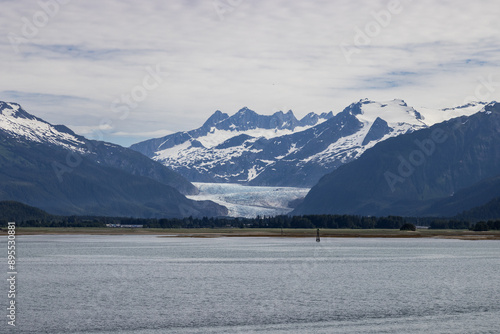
252,173
393,112
292,149
350,147
36,130
173,152
434,116
217,137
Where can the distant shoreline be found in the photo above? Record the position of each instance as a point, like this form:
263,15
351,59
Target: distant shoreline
261,232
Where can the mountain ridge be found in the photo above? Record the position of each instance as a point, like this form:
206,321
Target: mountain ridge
417,173
279,150
51,168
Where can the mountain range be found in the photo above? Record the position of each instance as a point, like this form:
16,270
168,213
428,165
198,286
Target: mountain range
438,171
372,158
279,150
50,167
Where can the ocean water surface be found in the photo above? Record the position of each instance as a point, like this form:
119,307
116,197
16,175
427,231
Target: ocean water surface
151,284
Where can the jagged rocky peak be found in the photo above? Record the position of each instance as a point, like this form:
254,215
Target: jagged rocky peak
280,120
309,119
243,116
326,115
244,113
217,117
312,118
247,119
355,108
277,149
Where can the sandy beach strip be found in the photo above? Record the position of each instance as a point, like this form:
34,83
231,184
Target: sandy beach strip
262,232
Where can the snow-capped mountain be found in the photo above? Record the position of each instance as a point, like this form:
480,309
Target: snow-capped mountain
221,127
434,116
459,170
246,149
17,123
50,167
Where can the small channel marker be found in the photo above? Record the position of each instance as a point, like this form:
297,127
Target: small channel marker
317,235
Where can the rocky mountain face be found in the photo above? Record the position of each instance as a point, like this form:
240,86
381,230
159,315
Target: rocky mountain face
439,171
220,127
52,168
280,150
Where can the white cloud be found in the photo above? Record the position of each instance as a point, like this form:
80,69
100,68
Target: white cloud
267,55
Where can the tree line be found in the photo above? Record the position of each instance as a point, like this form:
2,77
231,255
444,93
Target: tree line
26,216
309,221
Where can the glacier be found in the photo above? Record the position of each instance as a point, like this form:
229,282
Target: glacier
249,201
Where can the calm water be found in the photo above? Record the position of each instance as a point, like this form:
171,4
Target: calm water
148,284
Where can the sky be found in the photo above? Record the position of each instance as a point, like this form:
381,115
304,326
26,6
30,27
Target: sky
126,71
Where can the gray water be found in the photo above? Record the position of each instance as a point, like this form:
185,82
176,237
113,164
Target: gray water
152,285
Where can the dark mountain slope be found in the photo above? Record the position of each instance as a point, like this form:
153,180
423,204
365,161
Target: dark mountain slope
488,211
27,175
51,168
13,211
409,174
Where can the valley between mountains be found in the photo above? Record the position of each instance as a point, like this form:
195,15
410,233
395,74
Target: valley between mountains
359,160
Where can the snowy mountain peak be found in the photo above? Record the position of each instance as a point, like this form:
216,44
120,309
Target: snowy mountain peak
14,110
278,149
221,127
17,123
265,149
394,112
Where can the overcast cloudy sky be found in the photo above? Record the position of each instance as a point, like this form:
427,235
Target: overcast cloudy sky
126,71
